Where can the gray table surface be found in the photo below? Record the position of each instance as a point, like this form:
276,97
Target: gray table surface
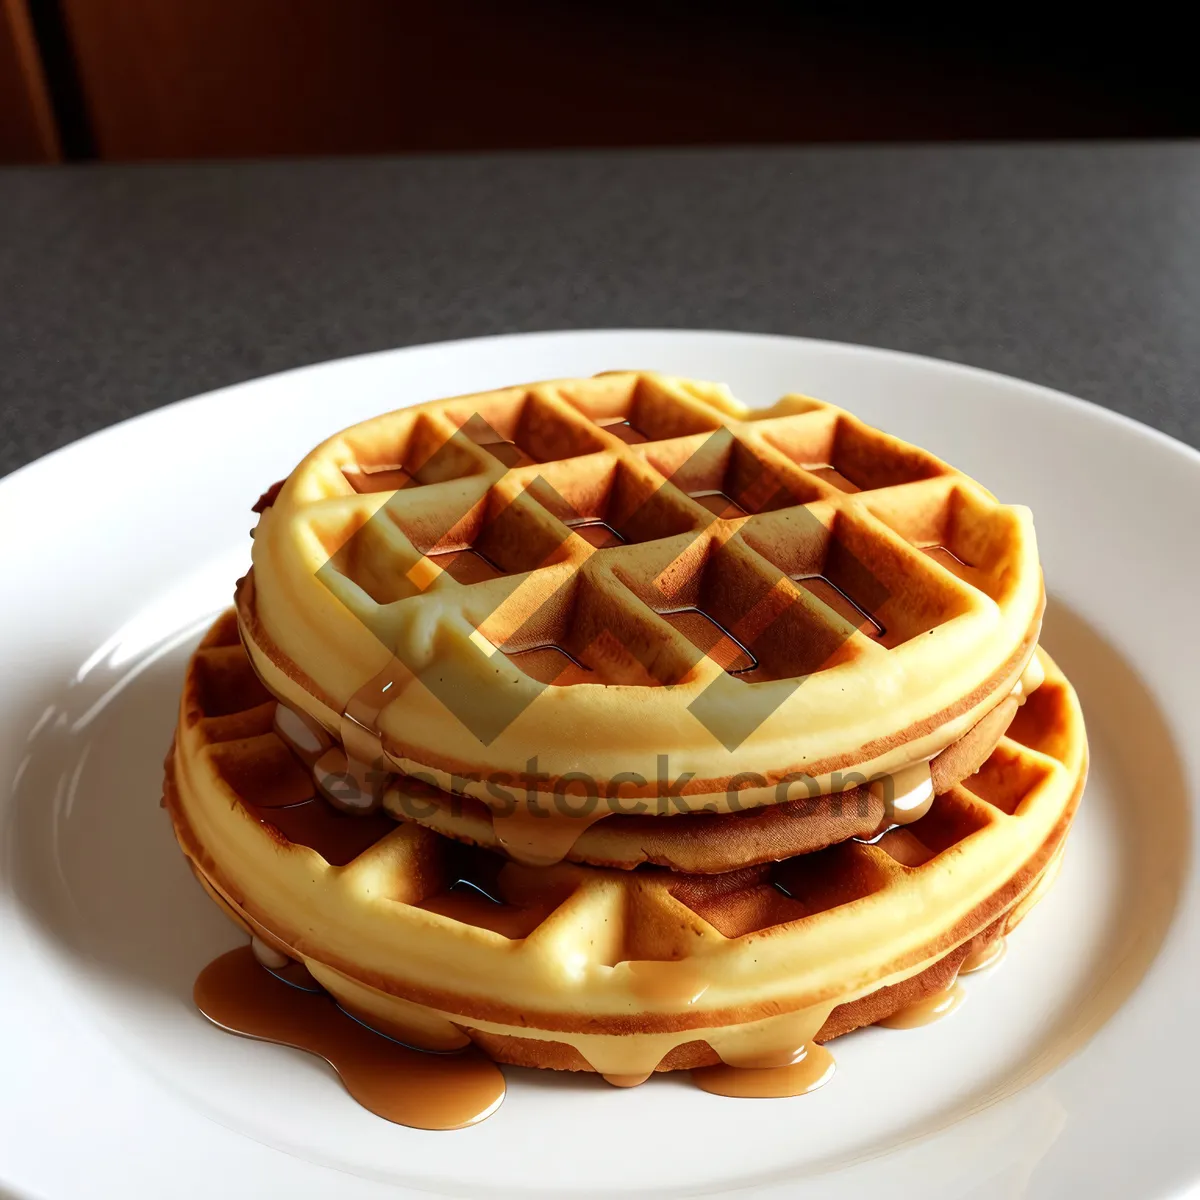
124,288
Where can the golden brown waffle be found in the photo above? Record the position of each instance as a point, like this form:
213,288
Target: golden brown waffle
622,971
596,575
706,843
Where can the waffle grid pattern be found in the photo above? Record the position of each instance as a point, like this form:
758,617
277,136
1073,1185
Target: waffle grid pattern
553,531
392,879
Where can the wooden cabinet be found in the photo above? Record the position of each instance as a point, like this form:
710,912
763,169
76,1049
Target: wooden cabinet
146,79
28,132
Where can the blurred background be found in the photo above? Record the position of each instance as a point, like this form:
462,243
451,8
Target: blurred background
124,80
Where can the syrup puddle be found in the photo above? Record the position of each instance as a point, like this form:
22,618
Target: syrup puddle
452,1090
407,1087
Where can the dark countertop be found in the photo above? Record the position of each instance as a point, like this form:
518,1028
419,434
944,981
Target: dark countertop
124,288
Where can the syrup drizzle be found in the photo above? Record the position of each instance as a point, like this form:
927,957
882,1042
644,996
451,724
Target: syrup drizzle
307,740
813,1069
780,1041
928,1009
449,1089
751,1065
667,982
911,795
984,957
538,837
359,727
1031,679
349,784
407,1087
354,776
235,993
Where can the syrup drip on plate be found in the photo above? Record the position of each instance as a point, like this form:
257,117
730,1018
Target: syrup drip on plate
984,957
811,1070
407,1087
928,1009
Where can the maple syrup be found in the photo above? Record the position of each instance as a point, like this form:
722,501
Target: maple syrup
984,957
911,794
928,1009
408,1087
539,836
668,982
813,1069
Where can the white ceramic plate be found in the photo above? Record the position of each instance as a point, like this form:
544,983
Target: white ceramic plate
1069,1070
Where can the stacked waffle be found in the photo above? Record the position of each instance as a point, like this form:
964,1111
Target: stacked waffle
609,726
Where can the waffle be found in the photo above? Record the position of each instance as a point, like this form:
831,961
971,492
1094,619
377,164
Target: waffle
708,842
579,967
597,576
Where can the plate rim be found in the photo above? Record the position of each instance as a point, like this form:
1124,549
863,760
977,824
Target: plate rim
1127,425
1069,400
